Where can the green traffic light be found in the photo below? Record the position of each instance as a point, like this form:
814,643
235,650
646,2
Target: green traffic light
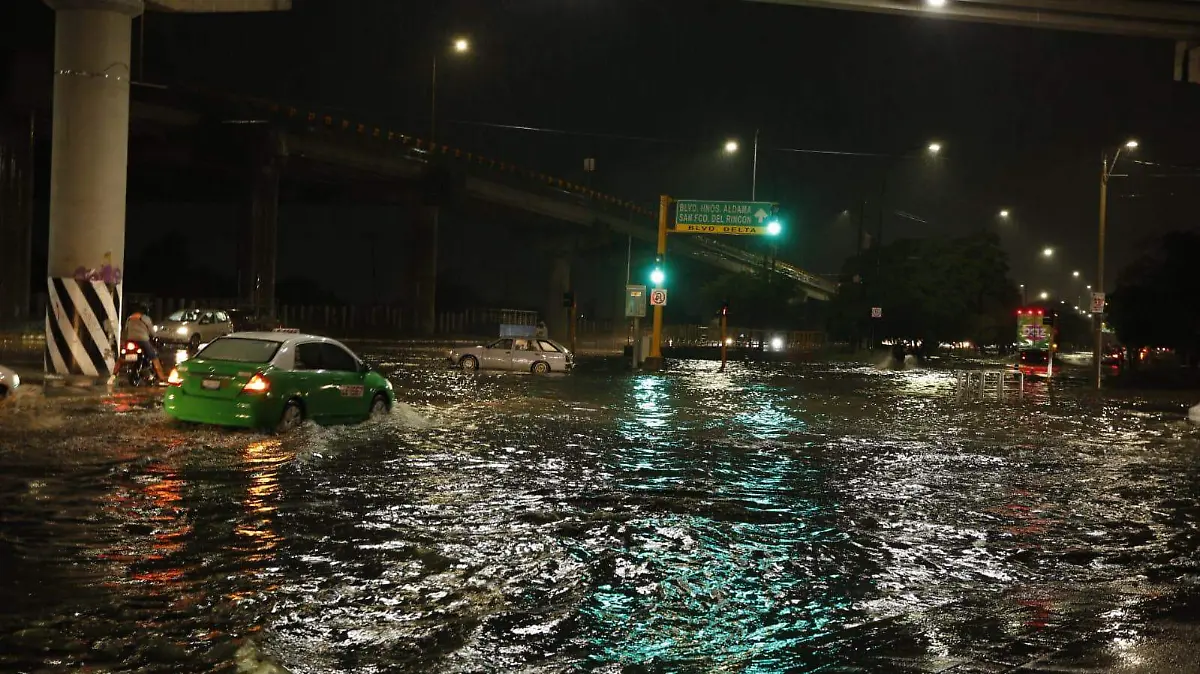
774,228
657,277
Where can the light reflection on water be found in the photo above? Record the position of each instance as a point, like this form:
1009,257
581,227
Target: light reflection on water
768,518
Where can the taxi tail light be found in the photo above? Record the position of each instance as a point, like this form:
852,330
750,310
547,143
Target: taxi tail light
174,379
257,384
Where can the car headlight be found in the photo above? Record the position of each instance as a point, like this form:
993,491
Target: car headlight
181,331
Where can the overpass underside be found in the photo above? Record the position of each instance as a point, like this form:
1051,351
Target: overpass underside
1168,19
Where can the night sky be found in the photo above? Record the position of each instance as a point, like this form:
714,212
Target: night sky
653,89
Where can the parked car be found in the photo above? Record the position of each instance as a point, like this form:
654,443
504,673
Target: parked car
193,327
9,381
275,380
538,355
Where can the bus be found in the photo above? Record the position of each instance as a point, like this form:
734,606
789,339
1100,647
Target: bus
1035,342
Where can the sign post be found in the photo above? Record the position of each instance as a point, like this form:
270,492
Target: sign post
724,332
635,308
1098,300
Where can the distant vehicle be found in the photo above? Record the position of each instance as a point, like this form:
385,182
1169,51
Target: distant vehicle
193,327
251,320
537,355
276,380
9,381
138,367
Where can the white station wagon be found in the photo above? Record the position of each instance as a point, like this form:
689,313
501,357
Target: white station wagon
538,355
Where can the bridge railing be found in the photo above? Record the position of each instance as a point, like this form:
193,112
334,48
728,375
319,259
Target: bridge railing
310,119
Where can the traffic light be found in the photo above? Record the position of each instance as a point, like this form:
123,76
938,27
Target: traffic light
568,299
657,275
774,224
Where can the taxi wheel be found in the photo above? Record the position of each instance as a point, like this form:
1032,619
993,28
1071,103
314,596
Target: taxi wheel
468,364
3,392
379,405
292,417
541,368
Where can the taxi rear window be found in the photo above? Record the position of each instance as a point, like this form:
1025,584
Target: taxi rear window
240,350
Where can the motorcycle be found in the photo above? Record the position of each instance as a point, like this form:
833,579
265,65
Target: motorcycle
138,366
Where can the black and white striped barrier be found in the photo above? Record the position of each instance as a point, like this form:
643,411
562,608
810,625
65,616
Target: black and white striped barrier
82,323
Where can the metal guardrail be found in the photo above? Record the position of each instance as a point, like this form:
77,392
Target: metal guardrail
1000,385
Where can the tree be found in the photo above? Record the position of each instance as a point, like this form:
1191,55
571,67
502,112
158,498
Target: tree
758,300
930,290
1157,299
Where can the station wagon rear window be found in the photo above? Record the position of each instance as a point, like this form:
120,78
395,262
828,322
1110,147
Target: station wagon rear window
240,350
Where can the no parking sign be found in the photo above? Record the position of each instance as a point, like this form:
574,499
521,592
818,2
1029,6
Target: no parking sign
658,297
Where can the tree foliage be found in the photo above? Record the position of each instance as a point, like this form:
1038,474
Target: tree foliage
761,300
932,290
1157,299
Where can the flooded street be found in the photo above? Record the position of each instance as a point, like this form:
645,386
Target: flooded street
774,518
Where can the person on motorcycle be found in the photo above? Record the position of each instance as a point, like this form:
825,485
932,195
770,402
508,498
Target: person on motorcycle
138,329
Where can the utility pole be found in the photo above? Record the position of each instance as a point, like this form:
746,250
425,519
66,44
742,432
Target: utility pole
1098,318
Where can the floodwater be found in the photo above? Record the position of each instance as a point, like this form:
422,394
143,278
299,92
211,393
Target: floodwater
774,518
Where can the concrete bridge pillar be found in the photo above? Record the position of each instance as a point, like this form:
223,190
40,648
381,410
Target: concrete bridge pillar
260,240
553,311
420,264
88,172
16,219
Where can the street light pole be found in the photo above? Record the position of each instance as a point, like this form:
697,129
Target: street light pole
1098,318
1106,169
754,171
433,103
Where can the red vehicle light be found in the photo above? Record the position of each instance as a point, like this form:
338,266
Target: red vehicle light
257,384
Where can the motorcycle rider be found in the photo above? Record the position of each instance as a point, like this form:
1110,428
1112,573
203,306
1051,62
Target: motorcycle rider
138,329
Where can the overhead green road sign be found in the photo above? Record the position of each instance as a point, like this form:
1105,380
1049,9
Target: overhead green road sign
726,217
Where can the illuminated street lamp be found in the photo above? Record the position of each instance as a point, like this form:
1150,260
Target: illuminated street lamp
461,45
1045,295
1075,274
1004,213
935,148
936,3
1106,171
731,147
1048,252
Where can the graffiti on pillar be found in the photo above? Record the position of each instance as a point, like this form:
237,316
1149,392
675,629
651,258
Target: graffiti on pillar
106,272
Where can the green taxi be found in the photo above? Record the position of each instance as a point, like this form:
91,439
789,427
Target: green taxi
275,380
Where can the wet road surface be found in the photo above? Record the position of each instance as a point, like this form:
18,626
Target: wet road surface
776,518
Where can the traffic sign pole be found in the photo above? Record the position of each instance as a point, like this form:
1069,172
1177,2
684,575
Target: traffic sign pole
655,358
724,329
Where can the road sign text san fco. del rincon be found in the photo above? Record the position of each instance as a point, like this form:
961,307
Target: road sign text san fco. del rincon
724,217
658,297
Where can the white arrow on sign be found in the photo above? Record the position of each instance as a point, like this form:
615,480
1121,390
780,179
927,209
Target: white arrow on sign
761,215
